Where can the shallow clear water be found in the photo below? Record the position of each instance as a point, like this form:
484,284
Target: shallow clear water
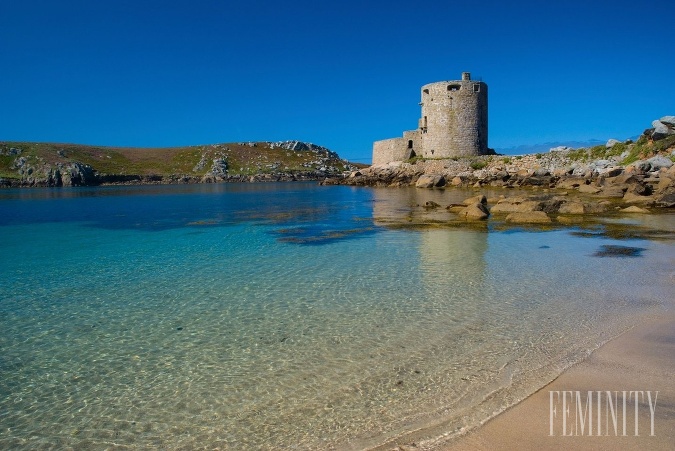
270,316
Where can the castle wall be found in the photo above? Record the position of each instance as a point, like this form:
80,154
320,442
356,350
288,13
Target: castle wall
396,149
454,123
388,150
413,143
454,119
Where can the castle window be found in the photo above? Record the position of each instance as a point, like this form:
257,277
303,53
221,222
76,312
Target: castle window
476,87
432,151
410,144
454,87
426,91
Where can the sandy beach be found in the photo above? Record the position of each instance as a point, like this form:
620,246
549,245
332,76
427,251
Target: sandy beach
641,359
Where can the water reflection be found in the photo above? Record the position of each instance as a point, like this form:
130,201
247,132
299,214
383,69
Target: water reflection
448,257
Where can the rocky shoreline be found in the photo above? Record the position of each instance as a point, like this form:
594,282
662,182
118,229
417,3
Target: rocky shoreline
74,177
619,175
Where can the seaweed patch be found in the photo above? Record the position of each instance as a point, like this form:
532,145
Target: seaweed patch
610,250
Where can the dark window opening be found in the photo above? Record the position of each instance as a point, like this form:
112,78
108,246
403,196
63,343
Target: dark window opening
476,88
410,144
426,91
432,151
454,87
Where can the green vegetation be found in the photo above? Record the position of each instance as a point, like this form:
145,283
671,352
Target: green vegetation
242,159
506,160
578,154
415,159
644,149
600,152
476,165
6,170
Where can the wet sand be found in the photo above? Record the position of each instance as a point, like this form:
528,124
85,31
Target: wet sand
642,359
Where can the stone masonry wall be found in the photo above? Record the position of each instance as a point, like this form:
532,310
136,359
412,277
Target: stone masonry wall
388,150
454,123
454,119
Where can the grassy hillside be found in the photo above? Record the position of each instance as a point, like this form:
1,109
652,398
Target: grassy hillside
21,161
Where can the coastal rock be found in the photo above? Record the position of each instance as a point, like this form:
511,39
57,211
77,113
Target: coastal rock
570,182
611,171
658,162
219,169
574,219
588,189
601,164
572,208
532,217
561,172
666,200
634,209
661,130
78,174
595,207
430,181
613,191
516,205
475,211
639,187
632,198
611,143
664,183
480,199
668,120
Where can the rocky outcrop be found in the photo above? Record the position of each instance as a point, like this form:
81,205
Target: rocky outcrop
430,181
78,174
609,171
44,164
474,211
661,128
218,171
532,217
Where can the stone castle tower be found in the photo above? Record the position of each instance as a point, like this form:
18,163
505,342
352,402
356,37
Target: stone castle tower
454,123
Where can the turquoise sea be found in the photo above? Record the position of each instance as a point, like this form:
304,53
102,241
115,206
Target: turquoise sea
290,316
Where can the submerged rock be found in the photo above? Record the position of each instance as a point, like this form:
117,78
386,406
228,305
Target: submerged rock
634,209
532,217
572,208
610,250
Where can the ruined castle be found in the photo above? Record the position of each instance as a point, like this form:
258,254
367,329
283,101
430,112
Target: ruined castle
454,123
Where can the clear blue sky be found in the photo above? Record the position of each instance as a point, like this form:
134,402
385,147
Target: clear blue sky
340,74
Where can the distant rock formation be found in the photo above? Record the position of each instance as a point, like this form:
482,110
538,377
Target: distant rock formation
45,164
661,128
